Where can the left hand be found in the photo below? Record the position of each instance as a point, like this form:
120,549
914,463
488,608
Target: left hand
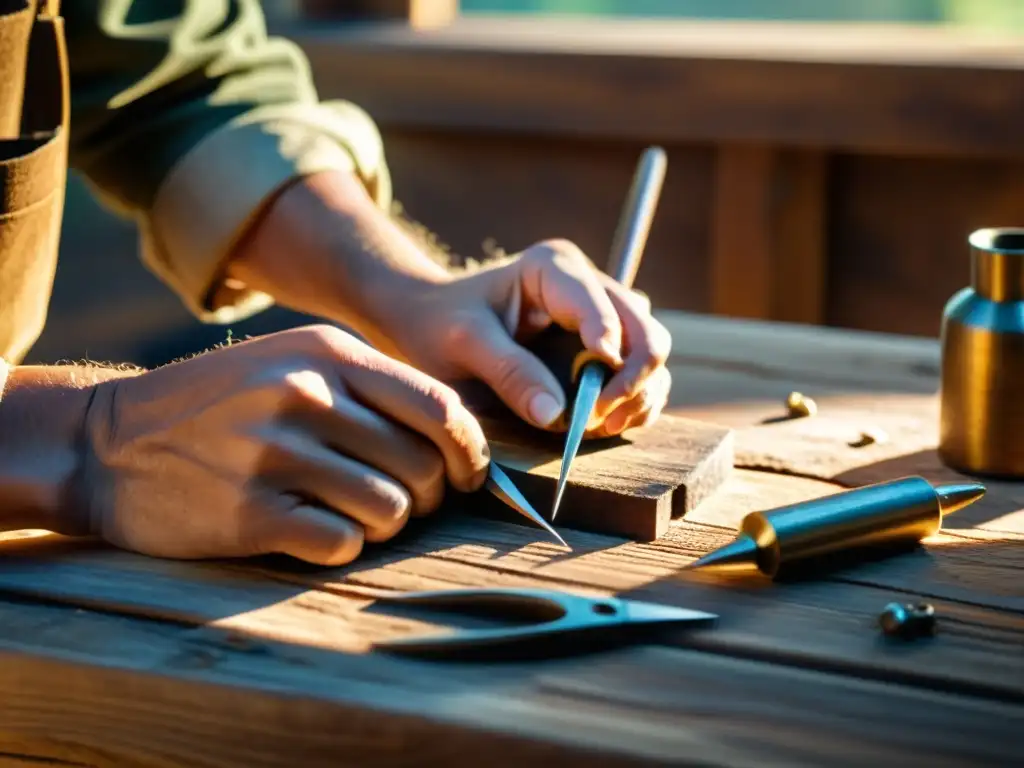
472,326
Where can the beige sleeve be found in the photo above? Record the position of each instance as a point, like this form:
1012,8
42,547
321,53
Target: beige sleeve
208,199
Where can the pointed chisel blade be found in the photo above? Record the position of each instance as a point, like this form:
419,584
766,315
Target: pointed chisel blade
587,393
501,485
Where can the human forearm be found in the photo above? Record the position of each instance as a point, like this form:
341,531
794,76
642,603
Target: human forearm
357,261
42,416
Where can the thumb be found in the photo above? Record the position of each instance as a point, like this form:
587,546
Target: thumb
312,534
516,375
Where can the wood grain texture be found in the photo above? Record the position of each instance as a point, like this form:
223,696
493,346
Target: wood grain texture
209,702
264,662
860,381
826,624
629,486
738,372
825,447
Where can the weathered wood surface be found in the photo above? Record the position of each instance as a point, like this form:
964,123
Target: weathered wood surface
266,663
860,382
629,486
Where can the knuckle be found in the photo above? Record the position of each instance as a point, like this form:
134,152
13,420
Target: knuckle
557,248
609,318
641,301
660,345
328,341
650,360
303,390
444,406
321,335
506,374
324,333
394,505
274,456
460,334
561,245
429,480
344,550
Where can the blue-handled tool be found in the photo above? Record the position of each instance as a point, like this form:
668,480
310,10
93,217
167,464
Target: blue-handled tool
577,369
588,373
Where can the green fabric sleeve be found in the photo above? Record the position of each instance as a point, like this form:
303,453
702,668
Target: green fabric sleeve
187,116
151,78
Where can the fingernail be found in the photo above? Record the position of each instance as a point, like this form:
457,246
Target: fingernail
616,423
544,408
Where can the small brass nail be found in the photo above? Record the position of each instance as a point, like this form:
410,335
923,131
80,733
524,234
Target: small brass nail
799,405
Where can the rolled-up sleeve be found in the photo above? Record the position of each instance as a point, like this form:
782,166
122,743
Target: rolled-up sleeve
188,117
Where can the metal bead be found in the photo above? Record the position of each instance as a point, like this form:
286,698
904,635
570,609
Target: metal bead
908,620
799,405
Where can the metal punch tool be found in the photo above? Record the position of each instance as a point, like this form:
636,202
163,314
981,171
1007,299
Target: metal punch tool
580,372
559,622
574,366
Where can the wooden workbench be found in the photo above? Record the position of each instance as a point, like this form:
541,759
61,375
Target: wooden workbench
107,658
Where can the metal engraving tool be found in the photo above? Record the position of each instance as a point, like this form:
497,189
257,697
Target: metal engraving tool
905,510
501,485
586,372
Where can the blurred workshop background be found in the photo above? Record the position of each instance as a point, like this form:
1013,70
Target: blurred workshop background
827,157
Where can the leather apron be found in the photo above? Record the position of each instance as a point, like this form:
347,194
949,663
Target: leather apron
34,112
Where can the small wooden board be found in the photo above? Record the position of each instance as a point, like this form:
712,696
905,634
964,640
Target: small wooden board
628,486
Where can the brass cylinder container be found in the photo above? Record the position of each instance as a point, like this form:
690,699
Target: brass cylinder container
981,428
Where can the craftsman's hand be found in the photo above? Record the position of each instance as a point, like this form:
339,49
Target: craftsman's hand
305,442
326,249
474,326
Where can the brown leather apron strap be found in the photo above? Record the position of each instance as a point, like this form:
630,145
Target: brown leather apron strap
16,20
33,174
47,102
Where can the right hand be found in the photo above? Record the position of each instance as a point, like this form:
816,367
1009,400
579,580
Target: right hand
305,442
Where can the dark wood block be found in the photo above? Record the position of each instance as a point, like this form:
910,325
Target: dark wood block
627,486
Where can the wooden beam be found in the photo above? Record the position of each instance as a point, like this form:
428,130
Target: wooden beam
800,256
741,241
890,89
767,234
420,14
